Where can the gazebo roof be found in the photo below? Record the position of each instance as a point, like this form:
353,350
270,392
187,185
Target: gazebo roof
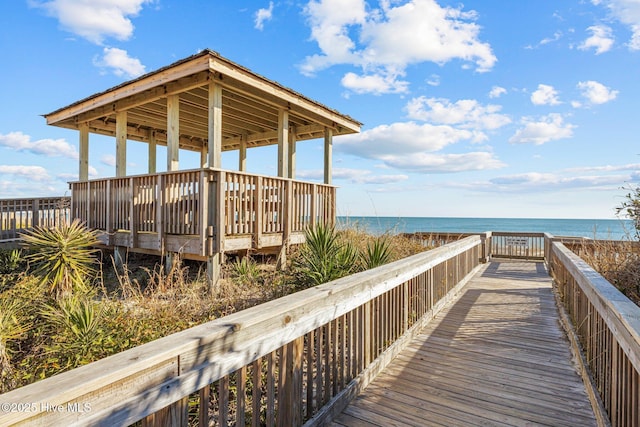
250,106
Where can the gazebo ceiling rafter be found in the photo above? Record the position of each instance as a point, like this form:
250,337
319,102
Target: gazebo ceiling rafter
250,106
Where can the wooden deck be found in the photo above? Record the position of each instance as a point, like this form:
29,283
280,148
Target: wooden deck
496,356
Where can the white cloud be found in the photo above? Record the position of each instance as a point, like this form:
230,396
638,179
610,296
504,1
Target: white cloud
412,147
545,95
108,159
69,176
94,20
548,128
466,113
556,36
49,147
433,80
356,176
376,84
596,92
628,13
390,39
535,181
120,63
633,167
497,92
263,15
402,138
444,163
32,173
601,39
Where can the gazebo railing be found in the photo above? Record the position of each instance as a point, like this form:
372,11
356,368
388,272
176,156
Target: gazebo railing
201,211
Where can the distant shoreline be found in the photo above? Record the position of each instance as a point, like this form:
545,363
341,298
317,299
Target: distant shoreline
611,229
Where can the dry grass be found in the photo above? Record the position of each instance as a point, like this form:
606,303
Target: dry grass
616,261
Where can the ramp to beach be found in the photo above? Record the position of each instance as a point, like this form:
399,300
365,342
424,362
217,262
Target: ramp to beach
496,356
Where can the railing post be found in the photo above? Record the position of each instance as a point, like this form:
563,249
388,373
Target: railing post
258,209
314,202
160,200
174,415
35,211
290,384
133,214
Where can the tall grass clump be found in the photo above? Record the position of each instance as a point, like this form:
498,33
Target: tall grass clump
324,257
62,256
12,327
618,261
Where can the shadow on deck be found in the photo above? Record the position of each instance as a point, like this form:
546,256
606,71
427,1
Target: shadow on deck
496,356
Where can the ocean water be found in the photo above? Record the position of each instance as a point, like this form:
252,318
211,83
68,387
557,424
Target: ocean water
612,229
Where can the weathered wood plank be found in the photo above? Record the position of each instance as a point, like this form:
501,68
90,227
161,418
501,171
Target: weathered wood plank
497,356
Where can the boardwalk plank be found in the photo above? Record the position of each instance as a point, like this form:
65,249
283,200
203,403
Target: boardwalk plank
497,356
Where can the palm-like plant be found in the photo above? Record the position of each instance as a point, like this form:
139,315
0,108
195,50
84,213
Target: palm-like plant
245,270
11,328
62,256
78,319
323,257
377,253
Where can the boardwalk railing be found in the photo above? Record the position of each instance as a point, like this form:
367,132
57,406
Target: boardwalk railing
293,360
18,215
608,326
495,244
201,211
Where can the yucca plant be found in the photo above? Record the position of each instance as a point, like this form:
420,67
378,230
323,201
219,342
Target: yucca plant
245,270
323,257
10,260
62,256
78,320
11,328
377,253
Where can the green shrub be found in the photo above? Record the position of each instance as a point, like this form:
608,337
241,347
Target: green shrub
324,257
377,253
244,270
11,328
62,257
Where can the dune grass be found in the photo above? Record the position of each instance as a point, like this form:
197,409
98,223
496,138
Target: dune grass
50,323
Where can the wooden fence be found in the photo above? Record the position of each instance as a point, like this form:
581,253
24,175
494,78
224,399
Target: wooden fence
296,359
18,215
608,327
202,211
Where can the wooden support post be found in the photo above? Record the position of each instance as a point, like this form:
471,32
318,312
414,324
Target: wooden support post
283,142
292,154
242,154
121,143
83,158
203,157
328,152
119,256
215,125
152,152
173,132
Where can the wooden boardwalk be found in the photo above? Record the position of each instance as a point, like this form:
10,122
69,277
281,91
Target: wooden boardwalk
495,357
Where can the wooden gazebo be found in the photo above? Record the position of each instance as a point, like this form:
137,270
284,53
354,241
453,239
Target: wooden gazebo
208,104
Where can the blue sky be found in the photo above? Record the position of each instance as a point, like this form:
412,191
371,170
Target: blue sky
475,109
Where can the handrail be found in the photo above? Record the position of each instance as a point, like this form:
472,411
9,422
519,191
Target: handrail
295,359
200,212
608,327
17,215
